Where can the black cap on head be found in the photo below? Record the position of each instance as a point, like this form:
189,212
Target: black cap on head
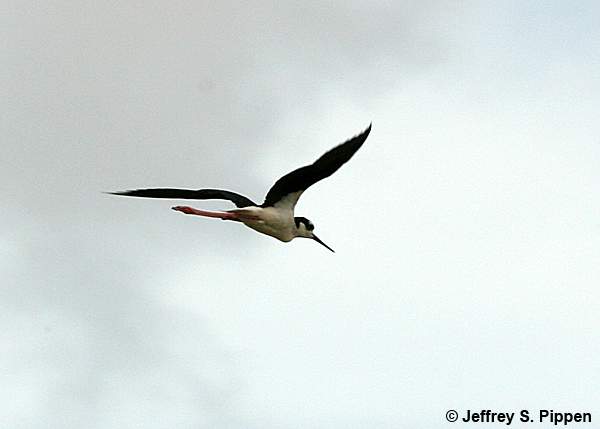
302,220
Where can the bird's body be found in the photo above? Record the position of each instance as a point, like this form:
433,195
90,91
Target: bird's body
269,220
275,216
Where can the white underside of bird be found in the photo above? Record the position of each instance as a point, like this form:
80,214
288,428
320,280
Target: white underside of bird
271,221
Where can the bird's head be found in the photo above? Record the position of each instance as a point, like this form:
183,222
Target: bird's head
304,228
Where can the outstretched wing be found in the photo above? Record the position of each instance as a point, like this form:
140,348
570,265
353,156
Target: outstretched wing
287,190
189,194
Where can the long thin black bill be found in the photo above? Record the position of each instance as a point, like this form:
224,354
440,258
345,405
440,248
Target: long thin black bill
318,240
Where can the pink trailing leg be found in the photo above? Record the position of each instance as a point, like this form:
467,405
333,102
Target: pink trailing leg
193,211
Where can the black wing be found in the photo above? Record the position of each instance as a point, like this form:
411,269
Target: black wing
189,194
293,184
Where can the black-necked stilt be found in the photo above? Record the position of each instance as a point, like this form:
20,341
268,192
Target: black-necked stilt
275,216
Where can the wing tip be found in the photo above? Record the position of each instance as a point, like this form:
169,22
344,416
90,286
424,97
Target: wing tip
121,193
364,134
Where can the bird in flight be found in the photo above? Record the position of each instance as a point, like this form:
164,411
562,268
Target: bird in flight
275,216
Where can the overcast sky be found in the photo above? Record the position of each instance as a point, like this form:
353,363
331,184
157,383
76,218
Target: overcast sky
467,228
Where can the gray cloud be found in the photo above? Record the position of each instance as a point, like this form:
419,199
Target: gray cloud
90,346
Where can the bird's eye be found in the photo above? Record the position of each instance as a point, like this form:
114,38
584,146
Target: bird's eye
310,227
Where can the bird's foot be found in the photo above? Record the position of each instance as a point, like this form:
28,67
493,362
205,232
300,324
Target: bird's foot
184,209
